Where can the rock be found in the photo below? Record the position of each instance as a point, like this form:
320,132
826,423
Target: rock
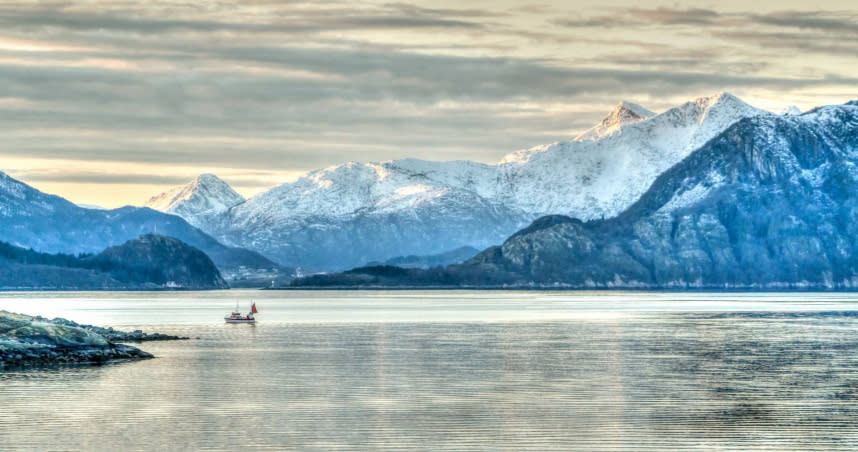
38,342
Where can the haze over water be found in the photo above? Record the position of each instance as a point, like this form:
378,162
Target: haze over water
450,370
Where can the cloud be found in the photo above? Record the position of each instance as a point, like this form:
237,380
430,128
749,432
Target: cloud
284,20
415,10
638,17
595,21
830,32
670,16
91,177
346,76
791,42
829,22
297,85
373,105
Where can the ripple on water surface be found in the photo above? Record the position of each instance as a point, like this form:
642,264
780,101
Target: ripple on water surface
643,380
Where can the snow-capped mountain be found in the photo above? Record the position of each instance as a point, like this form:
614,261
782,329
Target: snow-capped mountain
769,203
356,213
589,179
203,197
350,214
51,224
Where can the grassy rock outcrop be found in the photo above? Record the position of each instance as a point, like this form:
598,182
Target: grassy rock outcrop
27,341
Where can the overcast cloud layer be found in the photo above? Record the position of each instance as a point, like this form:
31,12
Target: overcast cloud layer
109,102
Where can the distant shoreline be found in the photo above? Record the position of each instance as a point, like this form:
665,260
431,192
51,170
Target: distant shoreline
569,289
72,289
469,288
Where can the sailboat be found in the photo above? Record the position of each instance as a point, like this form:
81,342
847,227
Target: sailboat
236,316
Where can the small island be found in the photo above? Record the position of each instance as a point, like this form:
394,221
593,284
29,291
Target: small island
32,342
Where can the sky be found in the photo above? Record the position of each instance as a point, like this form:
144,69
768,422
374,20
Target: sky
111,102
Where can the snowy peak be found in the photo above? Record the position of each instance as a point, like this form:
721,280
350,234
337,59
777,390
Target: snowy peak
351,188
624,113
715,109
792,110
205,195
723,98
635,129
694,123
722,104
599,177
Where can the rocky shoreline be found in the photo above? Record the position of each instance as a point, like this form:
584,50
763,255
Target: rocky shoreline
113,335
33,342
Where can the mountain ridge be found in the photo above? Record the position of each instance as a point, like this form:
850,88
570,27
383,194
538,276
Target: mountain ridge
770,203
52,224
777,212
355,213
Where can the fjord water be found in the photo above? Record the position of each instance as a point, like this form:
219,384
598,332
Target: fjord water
450,370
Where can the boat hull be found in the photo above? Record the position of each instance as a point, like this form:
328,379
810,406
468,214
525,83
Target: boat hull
228,320
236,316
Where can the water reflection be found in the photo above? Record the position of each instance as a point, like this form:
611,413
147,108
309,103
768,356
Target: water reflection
642,380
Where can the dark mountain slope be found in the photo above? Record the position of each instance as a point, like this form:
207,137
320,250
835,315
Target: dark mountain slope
771,202
48,223
433,260
160,260
148,262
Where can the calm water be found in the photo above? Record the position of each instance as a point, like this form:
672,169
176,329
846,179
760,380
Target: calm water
450,370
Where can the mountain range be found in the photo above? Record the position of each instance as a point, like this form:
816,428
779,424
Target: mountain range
713,193
51,224
355,213
770,203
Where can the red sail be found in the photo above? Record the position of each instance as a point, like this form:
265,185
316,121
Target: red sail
253,308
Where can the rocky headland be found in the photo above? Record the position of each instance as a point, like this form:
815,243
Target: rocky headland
28,341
